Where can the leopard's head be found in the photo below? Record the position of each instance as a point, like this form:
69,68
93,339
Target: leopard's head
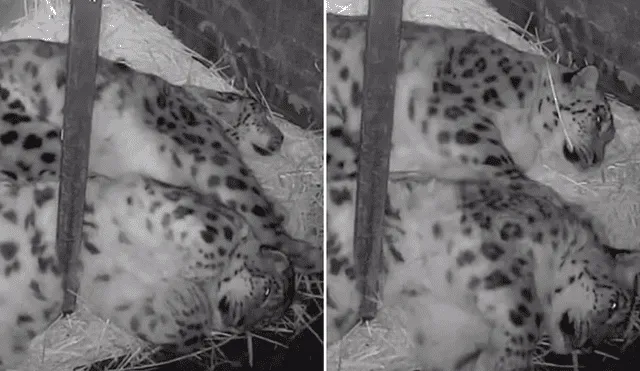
593,299
257,131
257,287
587,124
247,122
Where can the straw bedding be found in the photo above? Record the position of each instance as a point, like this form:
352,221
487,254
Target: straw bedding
611,194
293,178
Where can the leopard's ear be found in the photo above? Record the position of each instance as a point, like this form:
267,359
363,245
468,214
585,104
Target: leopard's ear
586,78
278,258
615,252
306,258
627,265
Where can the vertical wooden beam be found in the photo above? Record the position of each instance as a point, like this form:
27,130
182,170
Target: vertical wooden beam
82,60
380,70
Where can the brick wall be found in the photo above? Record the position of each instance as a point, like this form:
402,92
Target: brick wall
276,45
517,11
605,33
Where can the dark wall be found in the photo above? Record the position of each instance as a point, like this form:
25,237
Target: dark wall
276,45
605,33
517,11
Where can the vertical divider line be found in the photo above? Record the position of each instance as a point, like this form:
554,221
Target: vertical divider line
325,185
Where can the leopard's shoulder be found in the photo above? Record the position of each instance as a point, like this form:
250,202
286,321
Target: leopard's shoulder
141,124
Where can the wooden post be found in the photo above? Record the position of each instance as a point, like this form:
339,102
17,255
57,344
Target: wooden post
380,70
82,60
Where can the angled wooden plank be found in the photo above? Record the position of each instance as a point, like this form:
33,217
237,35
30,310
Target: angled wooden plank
82,60
380,70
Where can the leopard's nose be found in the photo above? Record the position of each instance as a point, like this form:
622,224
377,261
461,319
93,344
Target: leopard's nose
275,143
570,154
232,314
582,163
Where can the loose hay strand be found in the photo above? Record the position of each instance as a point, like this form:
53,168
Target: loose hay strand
557,104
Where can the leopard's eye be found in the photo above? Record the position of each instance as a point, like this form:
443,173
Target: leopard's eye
598,122
615,304
267,291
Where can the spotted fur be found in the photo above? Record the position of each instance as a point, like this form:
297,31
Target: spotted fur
141,124
467,105
483,269
161,262
482,265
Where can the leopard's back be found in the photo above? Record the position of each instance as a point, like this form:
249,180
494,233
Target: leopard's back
142,124
467,105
